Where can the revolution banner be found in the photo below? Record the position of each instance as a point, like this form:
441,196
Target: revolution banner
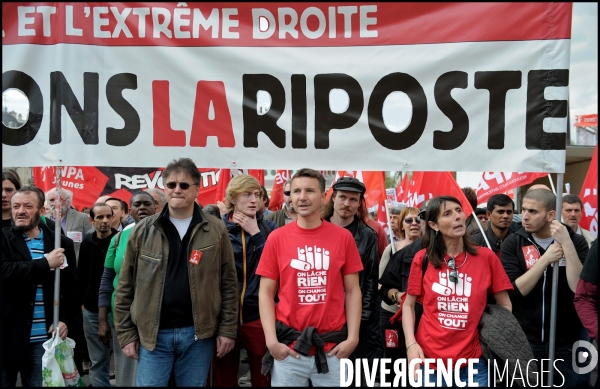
418,86
89,183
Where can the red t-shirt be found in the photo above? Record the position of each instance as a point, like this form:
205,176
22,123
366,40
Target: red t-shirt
451,312
310,265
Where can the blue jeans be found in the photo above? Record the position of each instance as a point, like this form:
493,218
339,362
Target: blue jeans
480,379
99,353
176,348
31,373
562,351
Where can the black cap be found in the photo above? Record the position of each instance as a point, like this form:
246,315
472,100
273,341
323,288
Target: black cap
349,184
423,210
480,211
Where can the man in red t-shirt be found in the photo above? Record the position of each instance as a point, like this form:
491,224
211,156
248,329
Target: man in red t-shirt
314,264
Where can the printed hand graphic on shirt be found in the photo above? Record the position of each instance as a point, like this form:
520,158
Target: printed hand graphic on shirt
445,287
311,258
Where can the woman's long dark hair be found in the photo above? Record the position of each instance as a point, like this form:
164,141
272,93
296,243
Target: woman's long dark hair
434,242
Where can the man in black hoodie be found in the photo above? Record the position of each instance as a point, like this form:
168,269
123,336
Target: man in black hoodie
529,257
92,254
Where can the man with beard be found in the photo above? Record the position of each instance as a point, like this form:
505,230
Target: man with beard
530,256
74,223
89,272
28,261
287,214
342,209
500,209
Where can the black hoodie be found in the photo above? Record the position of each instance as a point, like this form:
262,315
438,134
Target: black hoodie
533,311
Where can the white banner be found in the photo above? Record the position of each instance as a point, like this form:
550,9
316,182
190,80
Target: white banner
114,95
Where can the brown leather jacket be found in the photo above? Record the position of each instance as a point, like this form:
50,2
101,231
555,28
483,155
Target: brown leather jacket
213,283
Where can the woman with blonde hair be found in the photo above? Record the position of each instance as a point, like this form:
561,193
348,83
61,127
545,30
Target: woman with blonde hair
410,227
248,233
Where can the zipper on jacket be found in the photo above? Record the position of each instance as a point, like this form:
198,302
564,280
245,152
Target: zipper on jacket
244,285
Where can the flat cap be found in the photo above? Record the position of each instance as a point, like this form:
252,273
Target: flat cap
349,184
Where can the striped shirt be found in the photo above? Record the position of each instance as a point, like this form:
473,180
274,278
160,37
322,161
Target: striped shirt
38,327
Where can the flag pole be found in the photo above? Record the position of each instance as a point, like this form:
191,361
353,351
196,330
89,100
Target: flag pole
482,230
57,235
389,223
552,184
556,270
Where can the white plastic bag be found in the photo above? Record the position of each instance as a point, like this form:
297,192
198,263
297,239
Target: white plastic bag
58,364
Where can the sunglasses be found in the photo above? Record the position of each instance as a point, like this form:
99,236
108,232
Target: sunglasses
287,192
453,276
410,220
182,185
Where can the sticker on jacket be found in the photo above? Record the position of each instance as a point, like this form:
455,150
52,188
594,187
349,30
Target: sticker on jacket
531,255
195,257
391,338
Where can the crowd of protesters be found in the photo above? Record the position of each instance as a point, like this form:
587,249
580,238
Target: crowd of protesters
175,290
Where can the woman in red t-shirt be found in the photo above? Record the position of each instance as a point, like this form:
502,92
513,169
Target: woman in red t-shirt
453,292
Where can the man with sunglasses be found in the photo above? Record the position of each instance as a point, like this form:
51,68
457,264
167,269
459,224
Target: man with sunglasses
177,293
286,214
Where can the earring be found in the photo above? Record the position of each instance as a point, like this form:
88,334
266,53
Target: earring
233,202
437,232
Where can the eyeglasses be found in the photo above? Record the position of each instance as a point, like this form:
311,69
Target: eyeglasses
410,220
287,192
182,185
453,276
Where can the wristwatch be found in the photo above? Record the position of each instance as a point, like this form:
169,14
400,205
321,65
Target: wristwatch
395,297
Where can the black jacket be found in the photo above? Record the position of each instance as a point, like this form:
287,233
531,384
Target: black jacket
92,254
254,248
366,242
397,271
496,243
502,339
20,275
533,311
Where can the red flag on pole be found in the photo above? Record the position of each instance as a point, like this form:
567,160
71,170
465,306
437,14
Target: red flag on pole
276,201
589,197
86,182
427,185
401,188
492,183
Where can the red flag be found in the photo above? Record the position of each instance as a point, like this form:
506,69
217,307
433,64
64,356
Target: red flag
86,182
222,182
427,185
276,201
589,197
492,183
586,120
402,188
